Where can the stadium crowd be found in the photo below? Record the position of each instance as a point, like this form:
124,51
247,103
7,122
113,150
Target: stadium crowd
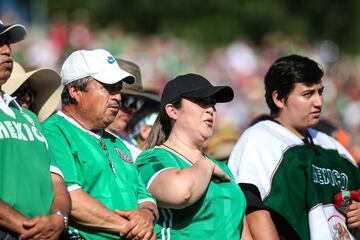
101,184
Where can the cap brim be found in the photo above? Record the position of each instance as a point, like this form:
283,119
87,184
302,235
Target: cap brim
221,93
14,33
150,96
111,77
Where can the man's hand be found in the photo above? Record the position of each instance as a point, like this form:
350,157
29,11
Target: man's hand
353,215
141,223
43,227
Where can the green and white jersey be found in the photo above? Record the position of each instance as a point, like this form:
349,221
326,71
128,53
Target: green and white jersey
25,181
99,164
217,215
297,180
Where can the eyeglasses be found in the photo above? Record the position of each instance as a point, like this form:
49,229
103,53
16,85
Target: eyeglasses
131,102
25,94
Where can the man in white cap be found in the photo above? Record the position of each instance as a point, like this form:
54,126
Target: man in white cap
98,168
34,204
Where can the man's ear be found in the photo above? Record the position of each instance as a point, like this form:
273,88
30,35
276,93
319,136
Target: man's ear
75,93
171,111
279,102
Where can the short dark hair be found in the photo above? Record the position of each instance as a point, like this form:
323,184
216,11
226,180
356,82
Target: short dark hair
285,72
80,84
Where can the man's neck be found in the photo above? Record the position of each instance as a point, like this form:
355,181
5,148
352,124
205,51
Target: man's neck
71,112
301,133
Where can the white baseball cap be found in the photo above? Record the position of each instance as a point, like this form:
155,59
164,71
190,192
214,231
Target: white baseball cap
98,63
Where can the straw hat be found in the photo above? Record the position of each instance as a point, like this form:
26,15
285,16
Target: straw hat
221,144
44,81
135,88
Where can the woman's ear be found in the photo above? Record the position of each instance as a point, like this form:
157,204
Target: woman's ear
171,111
279,102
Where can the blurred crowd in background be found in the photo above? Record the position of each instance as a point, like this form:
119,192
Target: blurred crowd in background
239,64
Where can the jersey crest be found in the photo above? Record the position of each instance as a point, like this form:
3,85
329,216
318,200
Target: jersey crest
123,155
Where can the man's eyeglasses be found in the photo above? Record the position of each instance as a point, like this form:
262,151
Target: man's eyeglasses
131,102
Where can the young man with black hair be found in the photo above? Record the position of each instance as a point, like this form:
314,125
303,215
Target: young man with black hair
288,171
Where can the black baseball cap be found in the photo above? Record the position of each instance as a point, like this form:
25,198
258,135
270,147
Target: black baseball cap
194,86
14,33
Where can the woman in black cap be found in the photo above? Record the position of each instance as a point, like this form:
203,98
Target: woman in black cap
196,196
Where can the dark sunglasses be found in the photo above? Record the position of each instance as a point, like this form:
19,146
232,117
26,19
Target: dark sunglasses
131,102
24,94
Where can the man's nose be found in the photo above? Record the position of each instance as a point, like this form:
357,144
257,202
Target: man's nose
116,96
5,49
319,100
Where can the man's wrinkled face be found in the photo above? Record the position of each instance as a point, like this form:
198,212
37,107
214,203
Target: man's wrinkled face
100,103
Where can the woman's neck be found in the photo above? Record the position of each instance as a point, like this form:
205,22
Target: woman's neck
185,148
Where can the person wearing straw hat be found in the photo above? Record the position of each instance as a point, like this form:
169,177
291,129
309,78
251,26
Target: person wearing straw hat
98,168
34,204
133,98
38,90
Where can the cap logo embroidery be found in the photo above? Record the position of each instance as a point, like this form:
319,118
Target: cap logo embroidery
111,60
123,156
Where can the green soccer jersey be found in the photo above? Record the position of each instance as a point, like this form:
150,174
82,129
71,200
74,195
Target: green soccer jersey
25,181
101,165
297,180
218,214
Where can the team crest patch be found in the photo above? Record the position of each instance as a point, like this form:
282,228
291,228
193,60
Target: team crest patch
339,230
341,233
124,156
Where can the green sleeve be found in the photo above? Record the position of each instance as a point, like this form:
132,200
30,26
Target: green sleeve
153,161
141,189
62,155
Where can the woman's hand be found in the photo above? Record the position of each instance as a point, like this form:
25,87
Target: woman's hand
219,175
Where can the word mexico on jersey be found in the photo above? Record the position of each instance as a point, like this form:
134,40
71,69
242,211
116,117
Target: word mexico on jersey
333,177
20,131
